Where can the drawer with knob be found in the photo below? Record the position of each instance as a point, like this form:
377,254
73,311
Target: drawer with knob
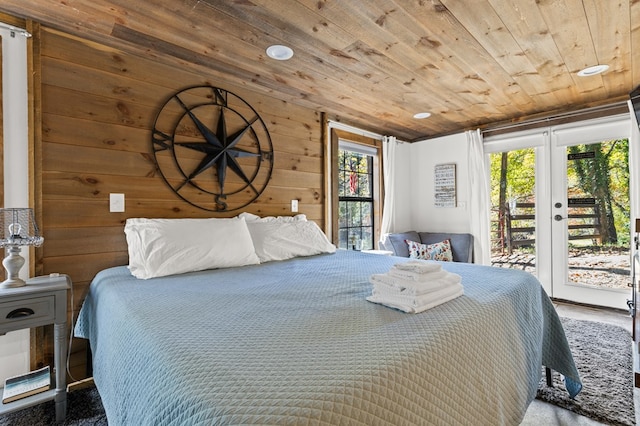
28,312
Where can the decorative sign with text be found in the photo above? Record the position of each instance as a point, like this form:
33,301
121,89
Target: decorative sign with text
445,185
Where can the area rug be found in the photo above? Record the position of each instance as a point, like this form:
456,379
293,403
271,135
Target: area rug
603,356
84,409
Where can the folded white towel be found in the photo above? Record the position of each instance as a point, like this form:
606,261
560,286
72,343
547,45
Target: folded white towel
415,287
419,266
419,299
417,276
419,303
382,288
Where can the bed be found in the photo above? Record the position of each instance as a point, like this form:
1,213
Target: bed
295,342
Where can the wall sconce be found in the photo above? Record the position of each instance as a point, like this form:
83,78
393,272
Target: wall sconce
17,228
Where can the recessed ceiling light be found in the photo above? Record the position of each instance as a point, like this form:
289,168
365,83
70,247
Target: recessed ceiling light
594,70
421,115
279,52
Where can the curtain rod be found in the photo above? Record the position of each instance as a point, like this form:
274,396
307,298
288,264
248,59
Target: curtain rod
575,114
357,131
14,30
354,130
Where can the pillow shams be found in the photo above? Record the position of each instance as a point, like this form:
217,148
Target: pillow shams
250,217
159,247
276,240
437,251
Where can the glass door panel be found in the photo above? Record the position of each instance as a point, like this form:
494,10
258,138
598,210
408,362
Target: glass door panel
591,236
513,209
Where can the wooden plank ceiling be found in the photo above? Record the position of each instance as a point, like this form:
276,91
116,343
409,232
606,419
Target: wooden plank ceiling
375,63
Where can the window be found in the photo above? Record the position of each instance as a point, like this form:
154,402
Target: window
355,199
356,192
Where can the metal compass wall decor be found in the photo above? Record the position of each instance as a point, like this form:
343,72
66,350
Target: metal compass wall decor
212,148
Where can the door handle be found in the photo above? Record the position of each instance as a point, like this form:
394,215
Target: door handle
20,313
557,218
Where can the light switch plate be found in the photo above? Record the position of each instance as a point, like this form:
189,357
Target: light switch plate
294,206
116,203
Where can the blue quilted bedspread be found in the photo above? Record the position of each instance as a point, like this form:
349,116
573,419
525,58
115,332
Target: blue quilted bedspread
295,342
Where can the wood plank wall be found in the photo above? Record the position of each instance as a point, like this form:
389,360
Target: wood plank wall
98,105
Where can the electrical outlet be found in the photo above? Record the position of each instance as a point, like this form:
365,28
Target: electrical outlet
116,203
294,206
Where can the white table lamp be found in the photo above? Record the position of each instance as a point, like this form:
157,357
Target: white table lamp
17,228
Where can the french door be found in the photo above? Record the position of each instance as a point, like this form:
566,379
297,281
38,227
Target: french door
590,225
552,220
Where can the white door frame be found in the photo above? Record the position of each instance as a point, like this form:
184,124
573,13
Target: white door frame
592,131
537,139
551,235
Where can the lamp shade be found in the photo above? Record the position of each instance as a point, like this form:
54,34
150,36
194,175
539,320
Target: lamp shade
18,228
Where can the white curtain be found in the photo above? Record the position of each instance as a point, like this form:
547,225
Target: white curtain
389,144
634,168
479,200
14,347
15,118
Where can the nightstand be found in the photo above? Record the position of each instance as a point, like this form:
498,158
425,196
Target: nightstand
42,301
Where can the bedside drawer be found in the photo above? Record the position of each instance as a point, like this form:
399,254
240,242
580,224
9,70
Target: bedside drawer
27,313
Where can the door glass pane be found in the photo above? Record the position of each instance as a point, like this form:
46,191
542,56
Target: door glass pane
598,232
513,215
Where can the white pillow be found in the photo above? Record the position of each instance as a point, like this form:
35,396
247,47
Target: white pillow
250,217
159,247
275,240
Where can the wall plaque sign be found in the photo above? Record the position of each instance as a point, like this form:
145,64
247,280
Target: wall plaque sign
445,185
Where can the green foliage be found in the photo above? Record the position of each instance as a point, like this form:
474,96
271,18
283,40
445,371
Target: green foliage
604,177
520,176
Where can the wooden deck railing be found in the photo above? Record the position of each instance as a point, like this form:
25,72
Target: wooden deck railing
519,229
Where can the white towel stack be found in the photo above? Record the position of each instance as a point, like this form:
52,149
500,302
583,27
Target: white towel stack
415,286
